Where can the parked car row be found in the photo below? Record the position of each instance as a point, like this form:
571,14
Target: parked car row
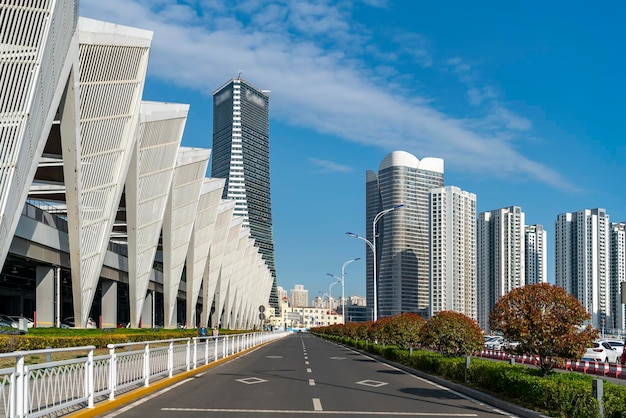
605,350
70,322
498,342
13,321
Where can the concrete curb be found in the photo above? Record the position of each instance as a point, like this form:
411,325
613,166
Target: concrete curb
129,397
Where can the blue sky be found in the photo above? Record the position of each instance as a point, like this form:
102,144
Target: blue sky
525,101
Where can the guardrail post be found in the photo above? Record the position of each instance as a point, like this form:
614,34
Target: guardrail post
170,359
89,379
19,409
146,365
187,354
195,351
215,357
597,389
206,350
112,371
224,346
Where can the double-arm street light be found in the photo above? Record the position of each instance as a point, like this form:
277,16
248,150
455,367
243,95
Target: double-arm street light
330,295
372,246
342,280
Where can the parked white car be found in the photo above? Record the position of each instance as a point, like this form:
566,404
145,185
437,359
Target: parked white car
493,342
29,322
601,351
618,345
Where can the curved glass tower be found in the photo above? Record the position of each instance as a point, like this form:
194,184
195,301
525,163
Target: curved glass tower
402,241
241,156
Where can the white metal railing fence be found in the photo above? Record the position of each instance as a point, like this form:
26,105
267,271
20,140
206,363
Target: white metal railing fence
55,387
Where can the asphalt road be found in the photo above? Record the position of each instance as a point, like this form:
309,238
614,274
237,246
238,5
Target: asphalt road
301,375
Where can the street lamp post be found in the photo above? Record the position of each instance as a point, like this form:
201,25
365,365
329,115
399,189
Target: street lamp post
330,295
342,280
372,246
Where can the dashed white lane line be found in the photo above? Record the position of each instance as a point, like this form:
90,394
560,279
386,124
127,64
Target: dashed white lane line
317,404
308,370
306,362
311,382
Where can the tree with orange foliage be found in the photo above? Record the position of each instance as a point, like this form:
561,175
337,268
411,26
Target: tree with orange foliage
546,321
403,330
452,334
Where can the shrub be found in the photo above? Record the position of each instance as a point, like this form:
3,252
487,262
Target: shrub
452,334
403,330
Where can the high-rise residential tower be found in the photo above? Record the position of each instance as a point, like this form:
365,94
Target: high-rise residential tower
582,259
241,155
402,241
618,273
500,257
453,251
299,296
535,253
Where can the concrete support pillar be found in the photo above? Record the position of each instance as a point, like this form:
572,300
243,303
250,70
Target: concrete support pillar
147,314
46,296
109,303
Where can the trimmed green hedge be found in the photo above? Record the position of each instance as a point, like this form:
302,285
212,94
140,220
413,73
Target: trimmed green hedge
42,338
560,394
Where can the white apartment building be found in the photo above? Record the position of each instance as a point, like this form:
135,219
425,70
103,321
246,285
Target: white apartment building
356,300
535,242
582,261
618,273
299,296
453,251
281,292
500,257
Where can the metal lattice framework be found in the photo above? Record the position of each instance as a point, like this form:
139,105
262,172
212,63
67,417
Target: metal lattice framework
76,136
213,292
227,269
178,223
201,237
34,41
98,124
242,300
234,277
160,132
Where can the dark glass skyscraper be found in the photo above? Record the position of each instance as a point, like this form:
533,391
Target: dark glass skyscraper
241,155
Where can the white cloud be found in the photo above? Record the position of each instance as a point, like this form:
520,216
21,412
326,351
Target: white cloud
320,81
330,166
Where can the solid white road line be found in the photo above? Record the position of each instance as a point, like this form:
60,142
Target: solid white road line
341,413
147,398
